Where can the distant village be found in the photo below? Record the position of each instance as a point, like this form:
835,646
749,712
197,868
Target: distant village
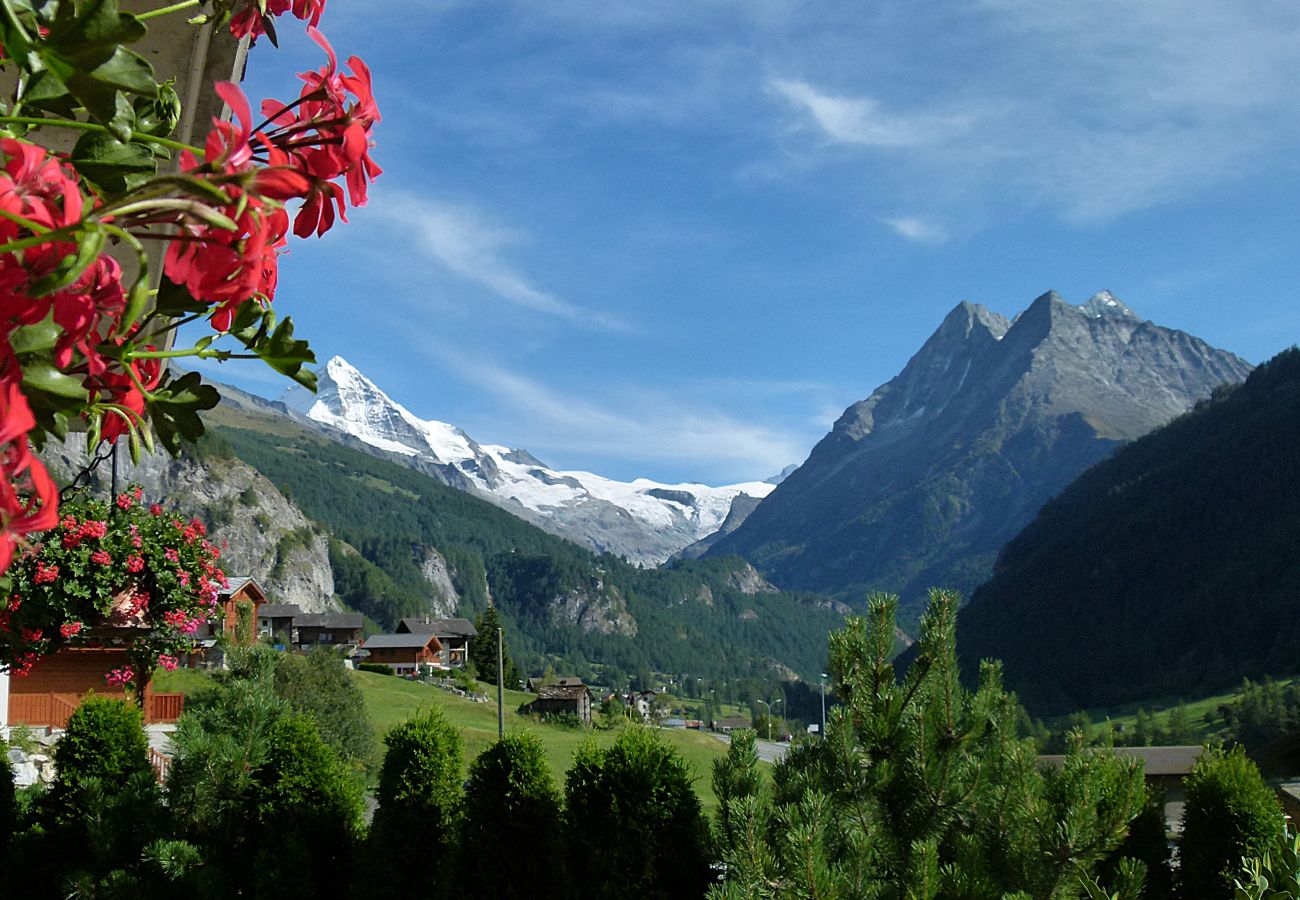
428,649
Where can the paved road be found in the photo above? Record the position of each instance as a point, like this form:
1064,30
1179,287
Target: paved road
768,751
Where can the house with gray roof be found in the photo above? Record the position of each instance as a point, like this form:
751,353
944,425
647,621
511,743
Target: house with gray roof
453,635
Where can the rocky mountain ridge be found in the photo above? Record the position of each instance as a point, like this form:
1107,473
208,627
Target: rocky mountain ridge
643,520
921,483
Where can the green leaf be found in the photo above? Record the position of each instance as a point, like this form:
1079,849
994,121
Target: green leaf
176,407
282,352
43,376
88,30
112,165
173,301
35,338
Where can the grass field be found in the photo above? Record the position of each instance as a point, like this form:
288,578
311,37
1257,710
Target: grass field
391,701
1202,711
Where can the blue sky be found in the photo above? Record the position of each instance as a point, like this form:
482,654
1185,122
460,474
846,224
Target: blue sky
676,239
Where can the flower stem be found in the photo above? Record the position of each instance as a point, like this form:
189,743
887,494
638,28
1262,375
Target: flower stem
175,7
38,122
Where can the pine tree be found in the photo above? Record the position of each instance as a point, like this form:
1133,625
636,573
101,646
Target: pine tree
483,650
922,788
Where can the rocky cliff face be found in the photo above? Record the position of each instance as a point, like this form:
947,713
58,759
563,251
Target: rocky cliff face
920,484
444,600
265,535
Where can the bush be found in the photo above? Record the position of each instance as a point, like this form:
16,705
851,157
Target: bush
1230,814
8,803
377,668
511,802
104,739
419,798
307,813
317,684
634,823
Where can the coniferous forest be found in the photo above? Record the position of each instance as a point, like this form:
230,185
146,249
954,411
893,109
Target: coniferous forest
689,617
1170,568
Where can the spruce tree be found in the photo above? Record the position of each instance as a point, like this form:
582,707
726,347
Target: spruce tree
483,650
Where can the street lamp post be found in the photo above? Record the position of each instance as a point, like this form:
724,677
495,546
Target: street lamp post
501,703
823,684
769,718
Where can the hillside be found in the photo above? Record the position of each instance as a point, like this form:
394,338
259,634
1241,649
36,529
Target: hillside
405,544
1171,568
923,482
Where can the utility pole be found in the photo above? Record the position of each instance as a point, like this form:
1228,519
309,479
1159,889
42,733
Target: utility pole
823,682
501,690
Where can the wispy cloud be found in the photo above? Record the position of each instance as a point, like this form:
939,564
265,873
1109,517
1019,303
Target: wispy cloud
862,121
464,241
917,229
638,426
1087,111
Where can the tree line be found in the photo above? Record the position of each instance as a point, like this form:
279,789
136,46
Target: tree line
921,788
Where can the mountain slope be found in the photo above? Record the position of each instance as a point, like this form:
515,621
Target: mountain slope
645,521
391,526
1172,567
920,484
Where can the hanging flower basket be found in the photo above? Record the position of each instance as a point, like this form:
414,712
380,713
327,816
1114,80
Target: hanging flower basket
123,575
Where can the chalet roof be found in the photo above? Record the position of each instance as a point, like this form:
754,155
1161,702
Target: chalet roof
535,684
1175,760
279,611
399,641
330,620
237,583
440,627
557,691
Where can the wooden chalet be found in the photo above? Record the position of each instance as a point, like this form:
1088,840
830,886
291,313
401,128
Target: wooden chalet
403,653
288,626
563,696
453,634
330,629
275,621
47,695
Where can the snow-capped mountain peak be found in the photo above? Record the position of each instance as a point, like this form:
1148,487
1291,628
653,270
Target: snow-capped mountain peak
645,520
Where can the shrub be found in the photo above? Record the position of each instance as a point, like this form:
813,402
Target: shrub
419,797
8,803
1273,876
317,684
634,824
1230,814
307,813
377,668
104,739
511,802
